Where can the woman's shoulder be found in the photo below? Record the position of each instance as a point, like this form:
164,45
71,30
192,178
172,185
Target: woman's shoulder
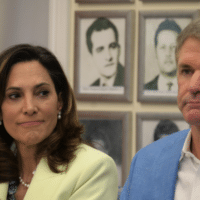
86,152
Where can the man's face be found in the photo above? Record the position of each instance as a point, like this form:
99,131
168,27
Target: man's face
165,51
189,81
105,52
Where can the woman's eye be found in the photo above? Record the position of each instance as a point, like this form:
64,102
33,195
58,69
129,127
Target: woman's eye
14,96
43,93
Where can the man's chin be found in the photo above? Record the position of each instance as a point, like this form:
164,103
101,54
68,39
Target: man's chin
193,118
108,76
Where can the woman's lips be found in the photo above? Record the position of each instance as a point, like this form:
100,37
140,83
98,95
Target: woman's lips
31,123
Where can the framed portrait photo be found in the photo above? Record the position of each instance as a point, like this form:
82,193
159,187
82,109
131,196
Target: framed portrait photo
169,0
109,132
105,1
103,56
158,30
154,126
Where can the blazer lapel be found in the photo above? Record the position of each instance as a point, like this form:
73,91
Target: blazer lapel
167,168
3,191
42,180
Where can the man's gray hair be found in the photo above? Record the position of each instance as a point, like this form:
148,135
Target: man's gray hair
192,30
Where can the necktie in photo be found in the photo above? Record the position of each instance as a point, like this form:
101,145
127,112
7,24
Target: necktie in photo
169,85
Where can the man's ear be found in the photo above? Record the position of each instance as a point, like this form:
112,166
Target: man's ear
119,50
156,52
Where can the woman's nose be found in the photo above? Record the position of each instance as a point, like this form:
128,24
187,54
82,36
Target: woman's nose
29,106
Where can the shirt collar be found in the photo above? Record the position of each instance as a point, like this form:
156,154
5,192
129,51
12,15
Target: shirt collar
162,83
186,152
108,82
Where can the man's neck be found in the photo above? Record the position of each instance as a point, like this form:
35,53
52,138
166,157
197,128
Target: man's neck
108,80
195,141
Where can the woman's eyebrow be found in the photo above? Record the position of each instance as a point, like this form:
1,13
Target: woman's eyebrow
20,88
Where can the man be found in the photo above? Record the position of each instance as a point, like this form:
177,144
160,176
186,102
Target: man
102,42
165,42
170,167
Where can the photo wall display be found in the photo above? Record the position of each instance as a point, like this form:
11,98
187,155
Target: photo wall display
154,126
157,81
103,55
110,133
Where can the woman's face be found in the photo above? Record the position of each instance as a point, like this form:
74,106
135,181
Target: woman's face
31,104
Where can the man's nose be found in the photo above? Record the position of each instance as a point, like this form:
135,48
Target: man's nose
29,106
195,82
108,55
169,51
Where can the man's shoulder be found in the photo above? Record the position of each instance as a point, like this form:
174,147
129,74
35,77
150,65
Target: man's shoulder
152,85
174,142
119,79
96,83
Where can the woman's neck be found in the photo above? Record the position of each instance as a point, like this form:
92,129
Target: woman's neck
28,161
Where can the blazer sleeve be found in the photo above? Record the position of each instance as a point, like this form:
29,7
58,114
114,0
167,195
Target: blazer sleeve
98,181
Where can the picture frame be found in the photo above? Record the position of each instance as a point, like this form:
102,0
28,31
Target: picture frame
88,86
117,140
104,1
169,0
153,59
153,126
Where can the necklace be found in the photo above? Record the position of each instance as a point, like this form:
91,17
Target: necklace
22,181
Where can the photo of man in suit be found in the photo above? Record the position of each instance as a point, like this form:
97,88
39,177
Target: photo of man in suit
102,42
165,43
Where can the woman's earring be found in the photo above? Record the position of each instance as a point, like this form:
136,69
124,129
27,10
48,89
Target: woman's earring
0,122
59,115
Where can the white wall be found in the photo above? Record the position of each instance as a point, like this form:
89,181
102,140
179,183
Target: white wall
23,21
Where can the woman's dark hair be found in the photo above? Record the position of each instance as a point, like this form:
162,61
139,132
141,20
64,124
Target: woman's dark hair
59,148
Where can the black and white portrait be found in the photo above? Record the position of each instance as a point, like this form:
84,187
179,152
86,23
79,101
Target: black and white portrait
106,135
160,62
154,127
102,55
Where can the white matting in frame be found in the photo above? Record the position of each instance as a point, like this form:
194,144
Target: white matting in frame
154,126
148,63
87,81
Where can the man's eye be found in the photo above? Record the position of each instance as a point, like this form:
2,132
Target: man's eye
99,49
186,71
114,45
163,47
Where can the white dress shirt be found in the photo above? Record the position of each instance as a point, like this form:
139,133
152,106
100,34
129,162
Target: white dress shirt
163,83
188,182
109,82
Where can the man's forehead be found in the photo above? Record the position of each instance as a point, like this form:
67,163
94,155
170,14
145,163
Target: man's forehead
189,52
103,37
167,36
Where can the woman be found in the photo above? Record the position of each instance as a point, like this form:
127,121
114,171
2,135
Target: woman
42,155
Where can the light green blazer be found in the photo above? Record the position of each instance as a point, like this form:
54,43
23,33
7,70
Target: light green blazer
92,175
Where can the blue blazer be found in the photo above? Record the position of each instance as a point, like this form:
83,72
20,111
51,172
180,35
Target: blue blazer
154,170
